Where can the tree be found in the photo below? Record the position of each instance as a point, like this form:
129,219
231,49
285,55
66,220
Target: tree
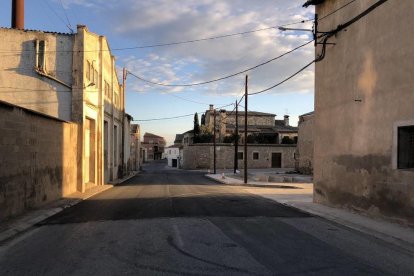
196,130
203,119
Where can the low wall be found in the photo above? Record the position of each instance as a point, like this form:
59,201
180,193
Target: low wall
200,156
38,159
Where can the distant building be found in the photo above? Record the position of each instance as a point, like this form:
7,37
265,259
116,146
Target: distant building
261,125
136,156
364,112
154,146
173,156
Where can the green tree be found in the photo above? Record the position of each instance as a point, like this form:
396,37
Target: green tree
203,119
196,130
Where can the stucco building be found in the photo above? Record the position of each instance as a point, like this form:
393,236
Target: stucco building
154,146
70,78
136,155
364,115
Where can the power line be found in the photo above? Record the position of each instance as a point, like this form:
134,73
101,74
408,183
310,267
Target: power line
221,78
57,15
285,80
340,8
326,36
169,43
67,18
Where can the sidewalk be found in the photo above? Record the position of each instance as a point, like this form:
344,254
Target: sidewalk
300,196
15,226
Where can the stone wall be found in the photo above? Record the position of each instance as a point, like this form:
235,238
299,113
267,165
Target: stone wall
362,95
304,156
200,156
38,159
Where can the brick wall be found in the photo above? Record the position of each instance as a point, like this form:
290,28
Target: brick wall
200,156
37,159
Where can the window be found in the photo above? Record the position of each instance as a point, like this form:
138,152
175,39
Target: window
406,147
255,156
240,155
92,78
40,55
88,70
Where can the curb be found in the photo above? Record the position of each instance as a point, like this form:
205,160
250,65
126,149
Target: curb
393,239
30,220
252,185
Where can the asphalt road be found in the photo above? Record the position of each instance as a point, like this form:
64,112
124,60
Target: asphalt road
172,222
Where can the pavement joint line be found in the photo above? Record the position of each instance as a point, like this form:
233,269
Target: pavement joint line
30,220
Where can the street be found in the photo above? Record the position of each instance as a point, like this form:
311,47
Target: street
175,222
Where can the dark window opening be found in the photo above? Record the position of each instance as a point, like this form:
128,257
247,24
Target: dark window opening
406,147
40,61
240,155
255,156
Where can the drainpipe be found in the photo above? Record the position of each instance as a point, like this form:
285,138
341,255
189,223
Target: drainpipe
124,74
17,21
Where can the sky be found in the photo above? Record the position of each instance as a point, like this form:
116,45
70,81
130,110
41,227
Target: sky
131,23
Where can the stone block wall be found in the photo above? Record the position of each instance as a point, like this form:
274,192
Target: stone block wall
38,159
200,156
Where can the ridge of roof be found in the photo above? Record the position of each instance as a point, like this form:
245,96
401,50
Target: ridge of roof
37,31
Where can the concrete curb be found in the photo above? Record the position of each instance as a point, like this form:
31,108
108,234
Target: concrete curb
235,183
390,232
404,239
34,217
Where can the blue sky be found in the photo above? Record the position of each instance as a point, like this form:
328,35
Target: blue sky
134,23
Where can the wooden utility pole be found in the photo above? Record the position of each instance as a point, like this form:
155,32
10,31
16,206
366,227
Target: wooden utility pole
236,141
214,143
246,93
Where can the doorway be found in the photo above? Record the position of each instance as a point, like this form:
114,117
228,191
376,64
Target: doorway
276,159
89,151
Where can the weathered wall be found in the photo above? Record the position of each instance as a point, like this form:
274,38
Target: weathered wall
364,89
22,85
305,144
200,156
38,159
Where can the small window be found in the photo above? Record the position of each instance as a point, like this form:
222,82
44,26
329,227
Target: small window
406,147
255,156
240,155
88,70
40,55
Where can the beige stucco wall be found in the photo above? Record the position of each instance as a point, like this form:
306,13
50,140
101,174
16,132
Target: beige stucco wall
364,87
200,156
20,84
38,160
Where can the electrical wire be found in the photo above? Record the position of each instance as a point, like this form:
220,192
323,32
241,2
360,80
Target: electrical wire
170,43
67,18
57,15
335,11
221,78
326,36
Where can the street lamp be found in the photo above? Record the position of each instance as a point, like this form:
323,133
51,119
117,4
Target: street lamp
283,29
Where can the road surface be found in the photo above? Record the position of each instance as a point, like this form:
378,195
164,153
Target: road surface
173,222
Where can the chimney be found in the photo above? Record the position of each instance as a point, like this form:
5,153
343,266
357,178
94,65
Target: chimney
286,117
17,14
211,107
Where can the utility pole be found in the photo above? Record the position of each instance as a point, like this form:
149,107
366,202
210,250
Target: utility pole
246,93
214,143
236,142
